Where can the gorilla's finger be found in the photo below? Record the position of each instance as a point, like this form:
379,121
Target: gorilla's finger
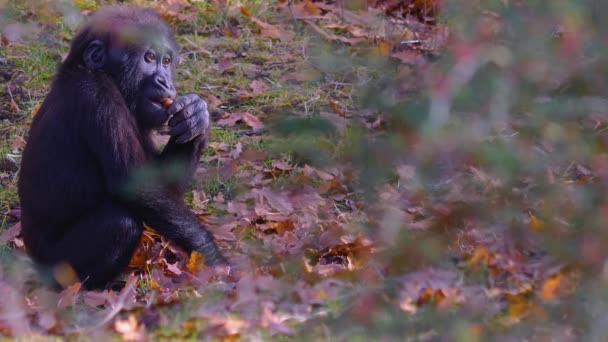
185,137
194,131
181,103
184,126
186,113
175,119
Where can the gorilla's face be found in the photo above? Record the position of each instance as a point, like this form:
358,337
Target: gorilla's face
145,75
156,67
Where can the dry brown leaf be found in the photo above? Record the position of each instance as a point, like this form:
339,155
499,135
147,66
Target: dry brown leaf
272,31
333,37
214,101
195,262
335,106
535,223
258,87
301,76
68,296
225,65
245,11
35,109
281,165
252,120
304,9
230,119
550,287
224,231
143,252
384,48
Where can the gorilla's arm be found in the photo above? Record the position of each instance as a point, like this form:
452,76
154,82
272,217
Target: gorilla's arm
115,143
185,156
189,133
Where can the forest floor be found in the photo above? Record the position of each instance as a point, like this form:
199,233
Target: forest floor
323,244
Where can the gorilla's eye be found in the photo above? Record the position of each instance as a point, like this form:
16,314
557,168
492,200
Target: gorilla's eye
150,57
166,61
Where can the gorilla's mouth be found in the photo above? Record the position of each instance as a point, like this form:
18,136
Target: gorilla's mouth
157,105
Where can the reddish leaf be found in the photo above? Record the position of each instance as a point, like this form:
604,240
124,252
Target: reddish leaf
214,101
252,121
68,296
225,65
301,76
195,262
272,31
245,11
258,87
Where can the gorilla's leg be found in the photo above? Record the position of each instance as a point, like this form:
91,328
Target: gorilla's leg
99,246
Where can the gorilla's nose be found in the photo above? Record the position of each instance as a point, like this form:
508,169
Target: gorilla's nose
166,85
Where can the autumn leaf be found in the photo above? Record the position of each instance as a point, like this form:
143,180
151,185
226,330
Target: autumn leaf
271,31
225,65
480,256
258,87
550,287
195,262
35,110
245,11
383,48
214,101
535,223
68,296
252,121
335,106
301,76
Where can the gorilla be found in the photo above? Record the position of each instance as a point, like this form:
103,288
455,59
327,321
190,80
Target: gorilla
91,175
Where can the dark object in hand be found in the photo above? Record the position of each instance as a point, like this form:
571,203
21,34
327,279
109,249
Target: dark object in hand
91,175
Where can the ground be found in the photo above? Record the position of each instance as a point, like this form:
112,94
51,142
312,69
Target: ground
376,169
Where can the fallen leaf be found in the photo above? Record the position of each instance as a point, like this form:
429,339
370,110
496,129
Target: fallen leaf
173,269
384,48
258,87
335,106
550,287
195,262
225,65
301,76
480,256
535,223
68,296
245,11
272,31
252,120
230,119
281,165
333,37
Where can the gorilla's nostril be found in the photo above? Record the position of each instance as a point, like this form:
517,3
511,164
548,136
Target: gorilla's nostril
162,82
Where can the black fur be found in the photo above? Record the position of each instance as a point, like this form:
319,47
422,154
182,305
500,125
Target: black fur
90,174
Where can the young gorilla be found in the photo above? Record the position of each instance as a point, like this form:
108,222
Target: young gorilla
82,195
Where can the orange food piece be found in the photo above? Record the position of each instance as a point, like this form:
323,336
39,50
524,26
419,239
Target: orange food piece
166,102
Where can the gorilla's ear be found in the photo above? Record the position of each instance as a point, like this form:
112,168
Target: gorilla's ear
94,55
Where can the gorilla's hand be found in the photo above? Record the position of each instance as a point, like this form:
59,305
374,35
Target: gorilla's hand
190,118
